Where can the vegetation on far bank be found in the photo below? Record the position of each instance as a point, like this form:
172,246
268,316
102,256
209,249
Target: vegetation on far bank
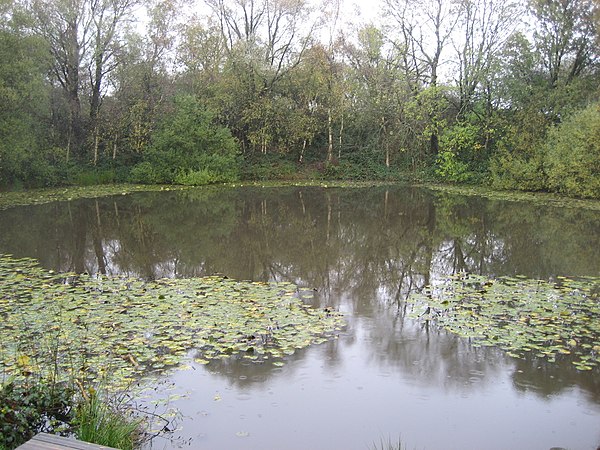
89,96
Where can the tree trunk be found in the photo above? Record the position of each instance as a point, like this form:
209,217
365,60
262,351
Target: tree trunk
434,144
330,133
340,139
96,144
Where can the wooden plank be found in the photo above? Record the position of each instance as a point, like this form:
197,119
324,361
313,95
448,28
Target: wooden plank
45,441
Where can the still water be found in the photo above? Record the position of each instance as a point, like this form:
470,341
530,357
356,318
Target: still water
386,377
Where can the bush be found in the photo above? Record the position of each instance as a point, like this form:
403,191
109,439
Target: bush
360,166
46,406
144,173
28,409
269,167
196,178
572,159
523,172
189,141
450,168
93,177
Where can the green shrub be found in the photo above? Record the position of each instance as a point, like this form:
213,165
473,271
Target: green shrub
30,408
198,178
144,173
93,177
523,172
359,166
450,168
189,141
269,169
572,159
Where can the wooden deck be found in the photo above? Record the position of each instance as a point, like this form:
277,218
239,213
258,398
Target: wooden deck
44,441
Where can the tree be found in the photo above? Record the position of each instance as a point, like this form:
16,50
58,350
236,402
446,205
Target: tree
573,154
485,25
25,98
82,38
108,16
566,36
382,93
426,27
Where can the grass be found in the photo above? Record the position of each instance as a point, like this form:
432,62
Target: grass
388,445
107,422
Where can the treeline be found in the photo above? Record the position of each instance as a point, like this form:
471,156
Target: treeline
482,91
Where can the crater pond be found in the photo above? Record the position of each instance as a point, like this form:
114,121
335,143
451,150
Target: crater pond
400,362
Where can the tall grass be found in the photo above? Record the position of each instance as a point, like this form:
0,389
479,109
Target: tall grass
388,445
106,422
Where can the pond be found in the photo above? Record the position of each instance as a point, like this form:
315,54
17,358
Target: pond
387,375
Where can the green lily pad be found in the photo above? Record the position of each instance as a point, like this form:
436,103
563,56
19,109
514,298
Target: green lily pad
118,329
551,319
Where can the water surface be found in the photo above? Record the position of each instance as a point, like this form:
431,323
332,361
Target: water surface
361,251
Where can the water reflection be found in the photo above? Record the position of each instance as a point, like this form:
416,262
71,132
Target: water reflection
361,251
397,239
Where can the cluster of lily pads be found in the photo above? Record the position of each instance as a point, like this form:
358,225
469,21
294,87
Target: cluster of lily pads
117,328
549,319
536,198
47,195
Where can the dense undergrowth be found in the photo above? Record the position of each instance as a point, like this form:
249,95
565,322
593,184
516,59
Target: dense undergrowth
37,404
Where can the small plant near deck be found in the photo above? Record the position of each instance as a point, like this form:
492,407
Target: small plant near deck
107,421
388,445
31,407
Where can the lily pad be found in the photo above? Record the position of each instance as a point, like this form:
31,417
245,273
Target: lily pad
549,318
118,329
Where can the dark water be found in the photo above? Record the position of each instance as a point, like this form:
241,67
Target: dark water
362,250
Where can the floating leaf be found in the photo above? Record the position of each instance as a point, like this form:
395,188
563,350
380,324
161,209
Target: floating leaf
519,315
93,326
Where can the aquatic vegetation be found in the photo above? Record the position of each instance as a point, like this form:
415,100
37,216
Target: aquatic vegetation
551,319
41,196
118,329
535,198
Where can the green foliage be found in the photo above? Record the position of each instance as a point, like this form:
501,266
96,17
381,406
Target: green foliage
515,171
189,141
144,173
360,166
450,168
366,99
572,158
92,177
199,178
25,104
106,422
269,167
31,407
350,170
